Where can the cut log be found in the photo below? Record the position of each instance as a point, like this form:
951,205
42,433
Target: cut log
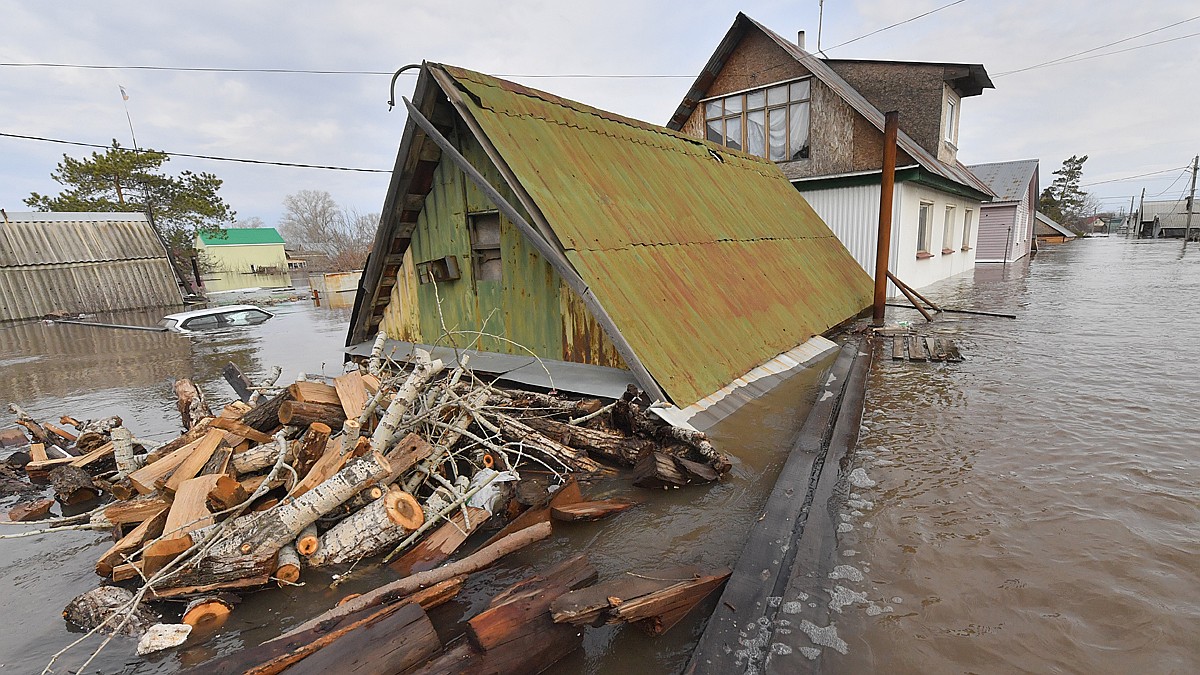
159,553
281,525
610,445
314,392
258,458
189,510
405,455
238,381
569,493
478,560
308,450
191,465
127,461
191,436
440,544
146,478
533,441
219,462
135,510
658,470
300,414
241,429
338,646
94,608
202,589
586,511
287,566
226,493
127,571
207,613
129,544
422,373
73,485
26,511
330,463
190,403
265,416
309,541
37,453
633,418
512,614
369,530
351,393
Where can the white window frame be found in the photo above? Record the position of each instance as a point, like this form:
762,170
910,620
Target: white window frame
948,230
924,229
951,110
968,214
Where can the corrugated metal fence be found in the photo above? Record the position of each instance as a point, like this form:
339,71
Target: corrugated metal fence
81,262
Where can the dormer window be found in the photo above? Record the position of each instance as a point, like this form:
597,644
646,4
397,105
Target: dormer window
769,122
951,109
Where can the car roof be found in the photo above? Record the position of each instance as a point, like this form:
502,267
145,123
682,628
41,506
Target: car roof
182,316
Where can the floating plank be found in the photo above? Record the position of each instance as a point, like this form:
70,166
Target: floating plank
513,613
916,349
441,543
99,453
26,511
587,511
236,379
931,346
898,348
590,606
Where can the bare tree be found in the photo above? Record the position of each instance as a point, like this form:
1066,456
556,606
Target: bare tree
252,223
313,220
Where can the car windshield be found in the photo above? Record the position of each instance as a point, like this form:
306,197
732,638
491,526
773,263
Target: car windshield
168,323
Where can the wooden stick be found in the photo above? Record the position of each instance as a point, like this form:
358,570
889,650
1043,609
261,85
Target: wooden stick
478,560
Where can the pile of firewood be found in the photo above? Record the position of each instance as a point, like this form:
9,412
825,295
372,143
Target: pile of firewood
396,465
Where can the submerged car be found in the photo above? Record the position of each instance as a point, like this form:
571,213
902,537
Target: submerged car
215,318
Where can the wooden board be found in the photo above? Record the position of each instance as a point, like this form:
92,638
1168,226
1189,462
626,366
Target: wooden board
241,429
587,511
352,394
190,511
399,641
314,392
441,543
130,543
514,612
135,510
144,479
916,349
898,348
195,461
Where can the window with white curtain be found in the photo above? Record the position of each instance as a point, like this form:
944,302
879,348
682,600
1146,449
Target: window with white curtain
769,122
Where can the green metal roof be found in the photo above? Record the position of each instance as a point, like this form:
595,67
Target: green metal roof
242,236
708,260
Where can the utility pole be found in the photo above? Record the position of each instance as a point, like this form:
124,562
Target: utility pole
1141,205
1133,227
1187,230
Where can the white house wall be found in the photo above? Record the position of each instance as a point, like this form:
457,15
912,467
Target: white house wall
917,272
853,215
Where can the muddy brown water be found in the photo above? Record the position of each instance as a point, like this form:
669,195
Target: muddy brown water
1034,508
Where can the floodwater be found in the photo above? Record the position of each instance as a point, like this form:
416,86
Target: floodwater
89,372
1037,507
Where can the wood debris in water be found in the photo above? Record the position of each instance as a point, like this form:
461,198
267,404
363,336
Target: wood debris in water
401,467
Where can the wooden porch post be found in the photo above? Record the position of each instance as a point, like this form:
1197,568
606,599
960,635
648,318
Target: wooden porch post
886,187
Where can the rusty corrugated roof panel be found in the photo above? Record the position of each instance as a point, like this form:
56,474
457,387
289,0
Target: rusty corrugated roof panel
708,260
81,262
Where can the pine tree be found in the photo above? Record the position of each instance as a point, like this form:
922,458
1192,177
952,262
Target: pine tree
1063,201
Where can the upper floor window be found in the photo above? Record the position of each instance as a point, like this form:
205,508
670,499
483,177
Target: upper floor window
770,122
951,109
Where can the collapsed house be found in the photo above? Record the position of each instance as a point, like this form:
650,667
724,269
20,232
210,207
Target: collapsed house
610,252
82,263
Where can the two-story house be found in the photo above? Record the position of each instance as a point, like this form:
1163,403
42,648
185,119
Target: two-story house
821,121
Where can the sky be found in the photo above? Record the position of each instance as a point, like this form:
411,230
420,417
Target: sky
1130,112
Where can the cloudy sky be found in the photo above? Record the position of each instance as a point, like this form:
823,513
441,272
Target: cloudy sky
1132,112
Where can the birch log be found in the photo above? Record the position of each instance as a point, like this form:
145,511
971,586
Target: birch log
370,530
309,541
280,525
375,365
287,566
425,370
127,462
258,458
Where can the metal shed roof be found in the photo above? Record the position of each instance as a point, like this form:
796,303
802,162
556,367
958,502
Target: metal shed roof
708,260
1045,222
242,236
1009,180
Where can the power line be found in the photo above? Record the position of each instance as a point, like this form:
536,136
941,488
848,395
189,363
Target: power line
194,156
1140,175
302,71
1063,59
1186,171
898,23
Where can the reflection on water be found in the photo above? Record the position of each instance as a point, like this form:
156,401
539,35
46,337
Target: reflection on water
228,281
1037,506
